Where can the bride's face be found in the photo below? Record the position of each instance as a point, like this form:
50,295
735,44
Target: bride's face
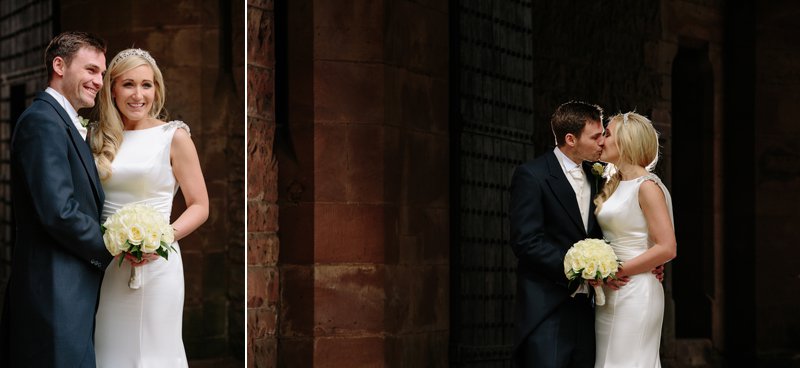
610,151
133,93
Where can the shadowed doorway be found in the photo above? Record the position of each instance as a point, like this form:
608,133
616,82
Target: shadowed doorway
693,188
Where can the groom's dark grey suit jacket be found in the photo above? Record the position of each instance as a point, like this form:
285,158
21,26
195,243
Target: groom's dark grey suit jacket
58,257
545,222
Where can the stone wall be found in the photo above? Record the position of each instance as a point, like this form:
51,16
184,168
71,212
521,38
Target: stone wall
777,182
25,31
363,185
263,280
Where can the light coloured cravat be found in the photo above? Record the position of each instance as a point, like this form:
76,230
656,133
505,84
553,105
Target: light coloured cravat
81,129
582,195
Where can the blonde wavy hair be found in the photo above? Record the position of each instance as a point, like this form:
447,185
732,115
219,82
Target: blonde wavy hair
107,137
637,143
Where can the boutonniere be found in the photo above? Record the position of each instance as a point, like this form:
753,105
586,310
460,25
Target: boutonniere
598,169
84,121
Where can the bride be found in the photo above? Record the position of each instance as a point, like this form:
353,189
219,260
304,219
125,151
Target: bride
142,159
634,211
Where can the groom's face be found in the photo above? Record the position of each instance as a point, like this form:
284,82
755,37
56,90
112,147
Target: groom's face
590,144
83,76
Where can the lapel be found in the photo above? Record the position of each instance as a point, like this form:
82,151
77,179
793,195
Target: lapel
80,145
562,190
596,184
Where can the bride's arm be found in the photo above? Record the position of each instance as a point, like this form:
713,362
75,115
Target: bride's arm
186,167
659,225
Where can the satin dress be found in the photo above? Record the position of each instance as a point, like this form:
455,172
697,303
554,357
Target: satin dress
628,326
142,328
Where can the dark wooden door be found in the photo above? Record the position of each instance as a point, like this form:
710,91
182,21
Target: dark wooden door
491,133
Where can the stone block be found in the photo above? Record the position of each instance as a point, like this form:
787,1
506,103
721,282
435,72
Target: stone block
261,322
418,350
349,30
348,92
296,352
263,286
350,352
298,302
353,233
215,317
262,164
349,300
374,170
330,162
295,152
262,217
193,323
263,353
417,299
214,280
193,277
428,160
297,234
417,37
260,37
416,100
262,249
268,5
211,347
428,243
261,88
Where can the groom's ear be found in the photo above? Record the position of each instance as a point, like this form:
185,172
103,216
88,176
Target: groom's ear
59,64
570,139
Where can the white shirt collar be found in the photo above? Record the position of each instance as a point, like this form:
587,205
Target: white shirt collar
566,163
68,108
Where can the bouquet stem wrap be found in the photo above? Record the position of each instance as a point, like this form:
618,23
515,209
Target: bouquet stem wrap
599,295
135,281
591,259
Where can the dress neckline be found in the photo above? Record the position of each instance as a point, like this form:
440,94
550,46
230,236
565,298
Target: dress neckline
145,129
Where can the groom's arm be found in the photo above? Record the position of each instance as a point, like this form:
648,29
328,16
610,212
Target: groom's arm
40,149
527,228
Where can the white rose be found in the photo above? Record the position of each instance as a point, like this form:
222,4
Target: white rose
111,240
152,241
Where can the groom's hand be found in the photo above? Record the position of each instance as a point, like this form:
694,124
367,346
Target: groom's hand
617,283
659,272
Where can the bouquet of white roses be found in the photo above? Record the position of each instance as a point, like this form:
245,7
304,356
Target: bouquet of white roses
591,259
137,229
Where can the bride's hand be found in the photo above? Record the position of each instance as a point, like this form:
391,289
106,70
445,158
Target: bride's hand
146,258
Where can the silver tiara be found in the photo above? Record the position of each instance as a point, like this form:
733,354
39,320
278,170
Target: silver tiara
132,52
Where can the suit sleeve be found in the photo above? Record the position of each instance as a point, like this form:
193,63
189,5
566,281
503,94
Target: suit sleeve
528,239
41,148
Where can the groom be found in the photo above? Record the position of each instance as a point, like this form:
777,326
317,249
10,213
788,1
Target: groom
550,210
59,256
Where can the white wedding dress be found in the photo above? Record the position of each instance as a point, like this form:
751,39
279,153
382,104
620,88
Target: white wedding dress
628,326
141,328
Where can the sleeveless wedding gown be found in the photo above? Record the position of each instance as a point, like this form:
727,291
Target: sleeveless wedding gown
628,326
141,328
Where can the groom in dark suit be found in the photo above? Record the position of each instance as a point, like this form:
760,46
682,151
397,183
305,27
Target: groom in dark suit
551,208
59,256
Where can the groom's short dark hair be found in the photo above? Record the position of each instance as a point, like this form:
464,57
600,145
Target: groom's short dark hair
571,117
67,44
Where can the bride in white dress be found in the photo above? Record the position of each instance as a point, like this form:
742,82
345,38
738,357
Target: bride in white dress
634,211
142,159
